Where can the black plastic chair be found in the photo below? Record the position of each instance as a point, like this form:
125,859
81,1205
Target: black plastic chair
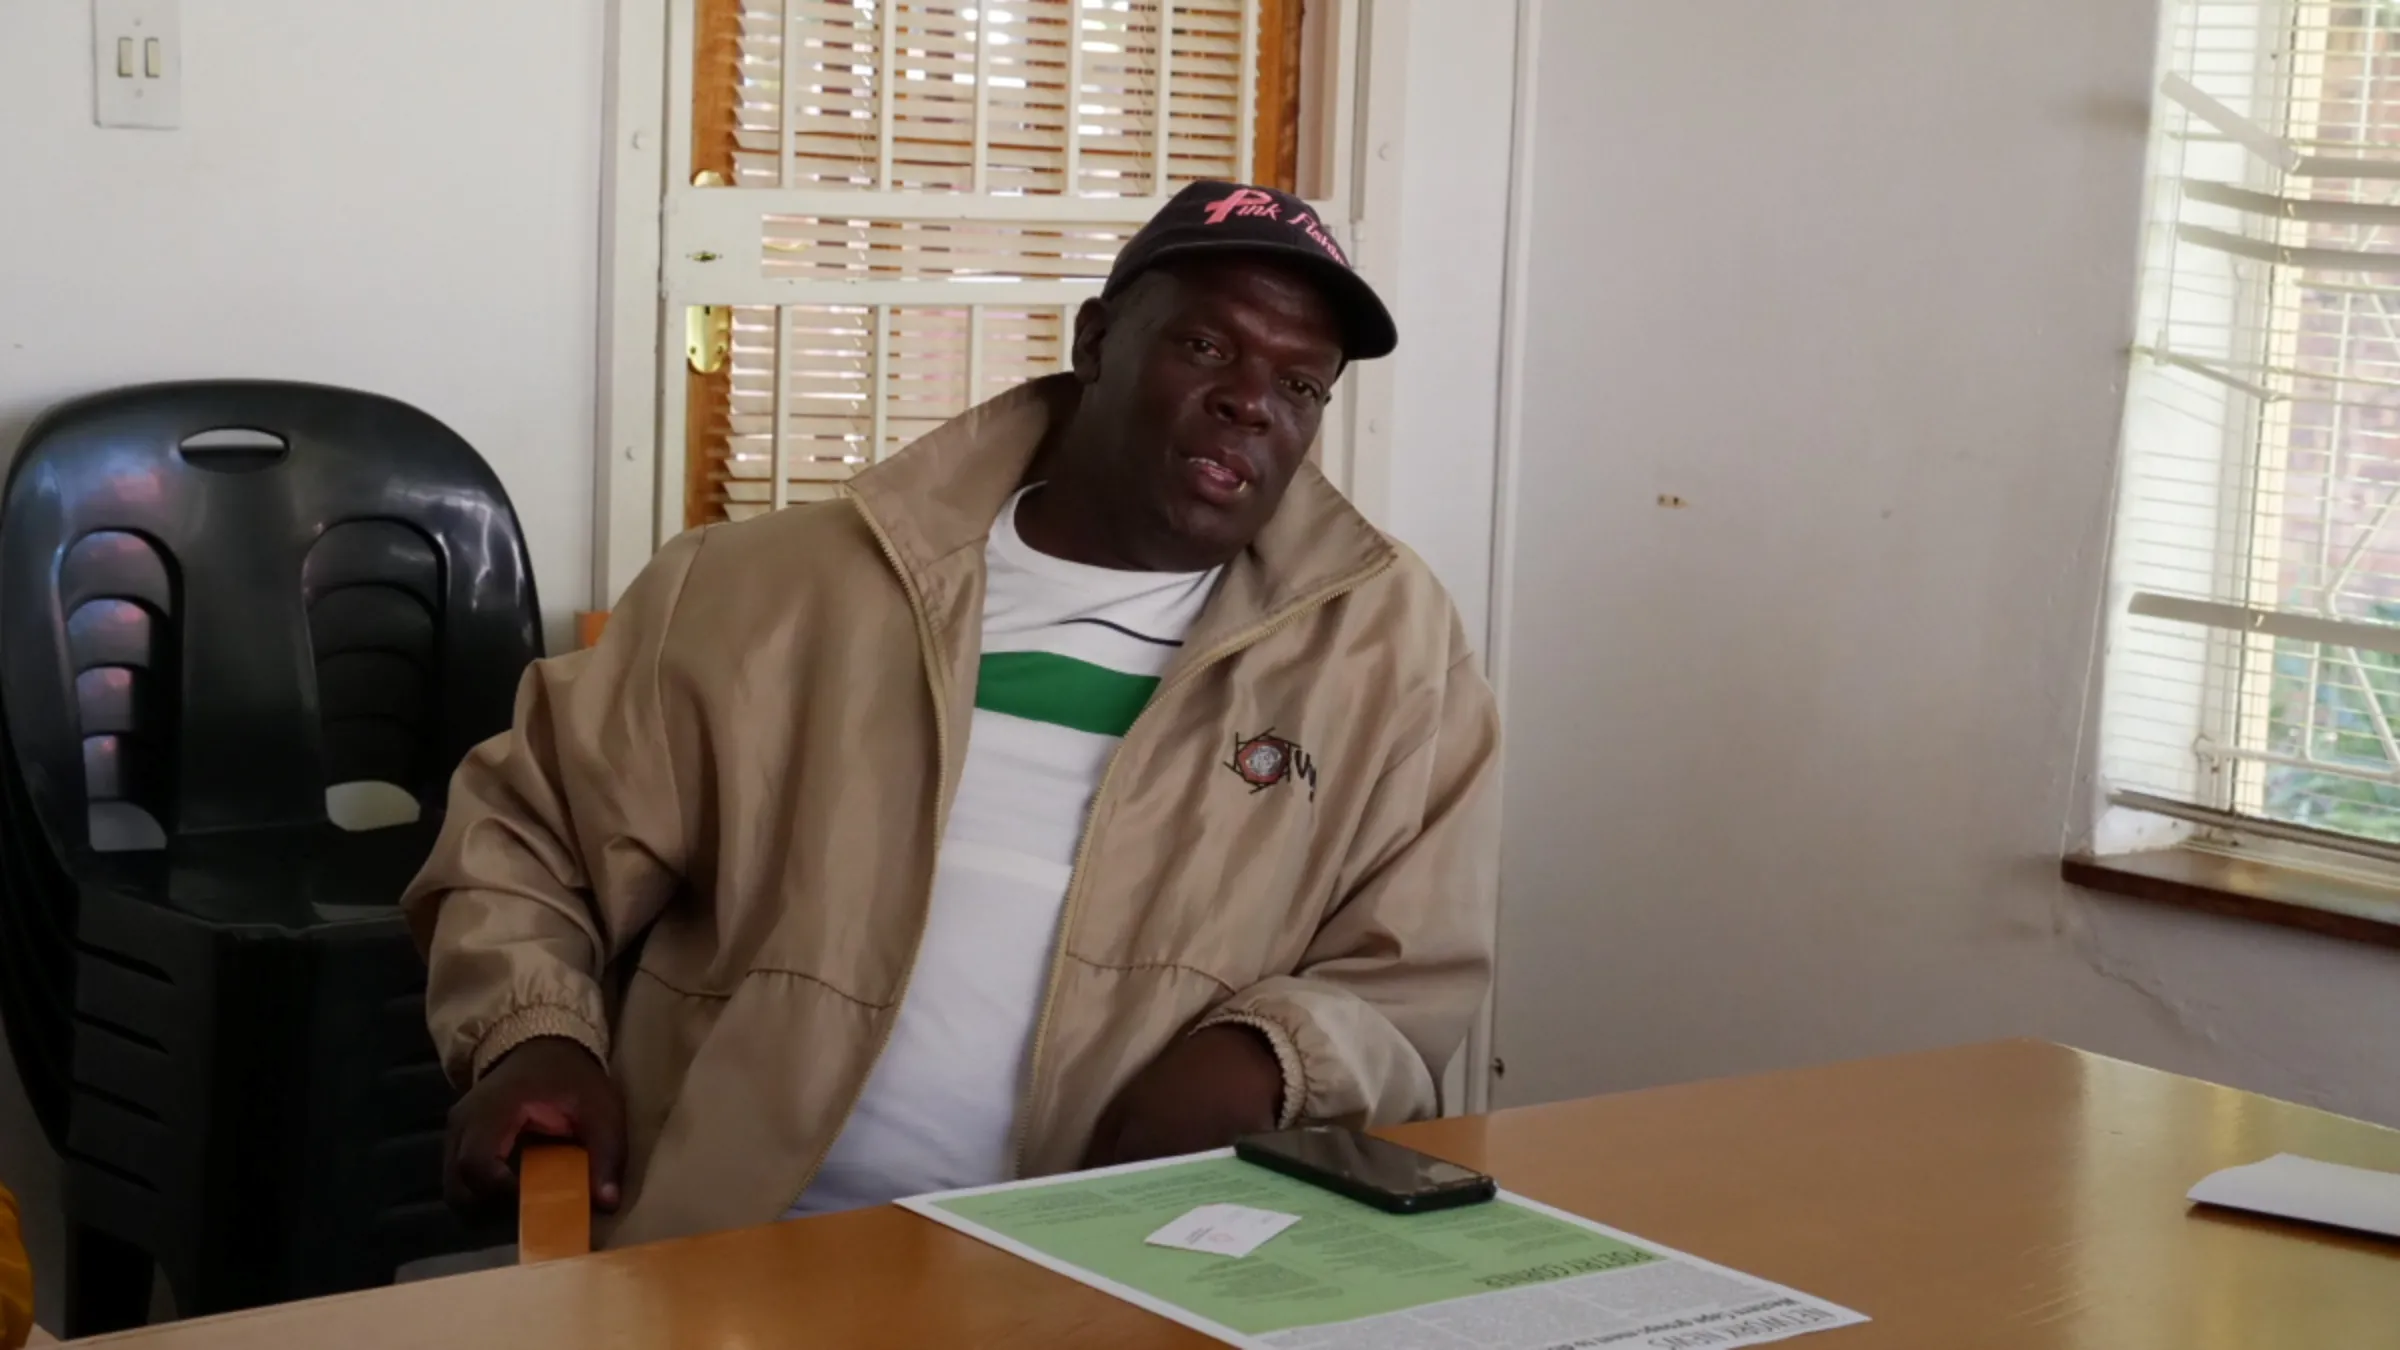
235,614
37,955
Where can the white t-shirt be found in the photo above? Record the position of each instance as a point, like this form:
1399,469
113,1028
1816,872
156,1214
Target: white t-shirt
1070,655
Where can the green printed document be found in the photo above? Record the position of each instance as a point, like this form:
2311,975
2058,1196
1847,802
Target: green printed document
1509,1275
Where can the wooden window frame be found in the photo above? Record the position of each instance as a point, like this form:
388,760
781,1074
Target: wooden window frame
708,423
648,59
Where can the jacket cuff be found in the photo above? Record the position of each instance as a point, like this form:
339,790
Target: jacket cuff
531,1023
1287,1057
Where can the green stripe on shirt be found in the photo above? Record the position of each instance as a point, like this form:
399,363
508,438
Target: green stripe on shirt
1060,690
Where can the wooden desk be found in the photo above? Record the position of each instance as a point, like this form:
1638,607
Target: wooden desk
2016,1195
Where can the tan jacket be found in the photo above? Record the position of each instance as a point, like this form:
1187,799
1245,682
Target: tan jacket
706,849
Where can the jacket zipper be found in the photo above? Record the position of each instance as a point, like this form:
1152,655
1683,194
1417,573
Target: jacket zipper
941,768
1058,956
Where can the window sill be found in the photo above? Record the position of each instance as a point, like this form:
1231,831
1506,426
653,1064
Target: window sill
2246,888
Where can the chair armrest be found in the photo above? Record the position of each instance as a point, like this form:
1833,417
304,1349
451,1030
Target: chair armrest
554,1203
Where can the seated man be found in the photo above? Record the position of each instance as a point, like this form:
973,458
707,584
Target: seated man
1094,784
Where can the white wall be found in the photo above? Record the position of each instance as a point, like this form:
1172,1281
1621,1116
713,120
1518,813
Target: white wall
401,197
1791,767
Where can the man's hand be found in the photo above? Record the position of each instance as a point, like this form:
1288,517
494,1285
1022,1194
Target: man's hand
1208,1089
547,1088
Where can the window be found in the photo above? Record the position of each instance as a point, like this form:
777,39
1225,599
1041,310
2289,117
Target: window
877,213
2254,662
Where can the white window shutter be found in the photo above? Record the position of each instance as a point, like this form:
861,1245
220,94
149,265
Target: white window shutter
909,202
2254,657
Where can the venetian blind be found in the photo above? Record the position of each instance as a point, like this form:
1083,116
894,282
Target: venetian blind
2254,666
941,185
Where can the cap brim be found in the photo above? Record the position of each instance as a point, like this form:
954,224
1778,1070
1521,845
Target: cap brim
1367,328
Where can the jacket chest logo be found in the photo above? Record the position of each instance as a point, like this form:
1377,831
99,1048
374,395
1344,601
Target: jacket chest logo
1268,760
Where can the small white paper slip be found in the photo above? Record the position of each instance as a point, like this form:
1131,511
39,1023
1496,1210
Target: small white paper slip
2292,1187
1223,1230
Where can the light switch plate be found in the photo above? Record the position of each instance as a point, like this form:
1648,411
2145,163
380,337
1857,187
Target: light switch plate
137,63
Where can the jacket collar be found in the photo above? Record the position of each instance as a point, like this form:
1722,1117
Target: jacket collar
943,492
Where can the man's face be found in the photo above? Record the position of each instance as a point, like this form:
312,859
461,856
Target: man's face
1205,382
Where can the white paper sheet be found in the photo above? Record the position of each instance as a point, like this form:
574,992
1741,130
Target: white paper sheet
2293,1187
1223,1230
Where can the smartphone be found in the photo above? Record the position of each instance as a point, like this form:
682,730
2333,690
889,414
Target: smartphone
1369,1170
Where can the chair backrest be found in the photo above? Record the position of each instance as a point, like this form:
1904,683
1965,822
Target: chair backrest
230,605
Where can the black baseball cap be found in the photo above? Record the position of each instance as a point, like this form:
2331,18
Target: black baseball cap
1212,217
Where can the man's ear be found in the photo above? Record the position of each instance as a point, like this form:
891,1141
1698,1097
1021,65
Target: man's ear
1091,327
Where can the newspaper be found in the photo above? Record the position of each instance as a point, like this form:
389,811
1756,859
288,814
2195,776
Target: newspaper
1509,1275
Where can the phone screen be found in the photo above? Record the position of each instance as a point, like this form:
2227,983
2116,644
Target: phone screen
1385,1166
